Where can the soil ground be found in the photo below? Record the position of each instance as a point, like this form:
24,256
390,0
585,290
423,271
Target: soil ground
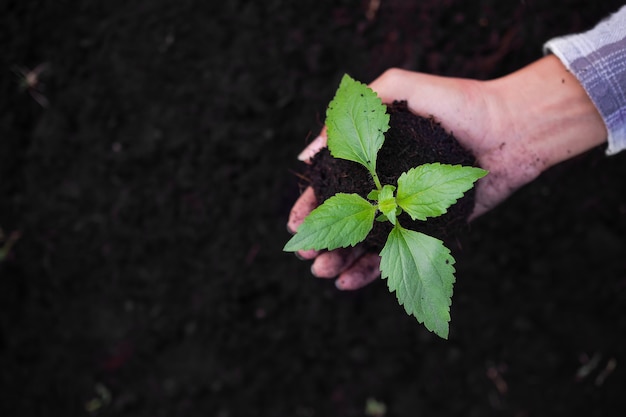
152,192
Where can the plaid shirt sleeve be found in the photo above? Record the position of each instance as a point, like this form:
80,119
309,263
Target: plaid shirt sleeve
597,58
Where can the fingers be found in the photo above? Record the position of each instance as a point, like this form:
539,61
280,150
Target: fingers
364,271
313,147
331,264
303,206
307,202
355,268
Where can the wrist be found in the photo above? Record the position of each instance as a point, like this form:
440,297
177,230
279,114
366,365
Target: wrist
549,115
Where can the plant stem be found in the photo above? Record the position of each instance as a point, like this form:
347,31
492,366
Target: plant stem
376,179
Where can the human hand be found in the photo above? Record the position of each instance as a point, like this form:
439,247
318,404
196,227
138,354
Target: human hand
516,126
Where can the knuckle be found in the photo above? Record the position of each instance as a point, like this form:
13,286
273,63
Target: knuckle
391,73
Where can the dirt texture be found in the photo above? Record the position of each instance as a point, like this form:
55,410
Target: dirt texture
411,141
148,162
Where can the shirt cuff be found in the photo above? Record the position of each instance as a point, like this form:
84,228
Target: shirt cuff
597,58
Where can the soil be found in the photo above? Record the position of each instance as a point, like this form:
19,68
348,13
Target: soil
411,141
151,195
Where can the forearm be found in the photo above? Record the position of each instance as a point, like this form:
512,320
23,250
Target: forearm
552,117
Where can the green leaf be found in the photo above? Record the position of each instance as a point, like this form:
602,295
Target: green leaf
419,268
373,195
341,221
356,120
387,203
428,190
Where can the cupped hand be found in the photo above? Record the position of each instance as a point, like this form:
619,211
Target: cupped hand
500,121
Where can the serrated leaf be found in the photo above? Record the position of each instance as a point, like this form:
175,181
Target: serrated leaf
428,190
420,270
356,120
342,220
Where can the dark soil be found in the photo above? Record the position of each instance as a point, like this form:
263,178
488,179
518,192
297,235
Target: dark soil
152,194
410,141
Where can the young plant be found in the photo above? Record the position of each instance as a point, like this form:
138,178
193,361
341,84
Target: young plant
418,267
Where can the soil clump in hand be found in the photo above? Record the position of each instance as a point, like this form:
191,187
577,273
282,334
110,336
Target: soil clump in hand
410,141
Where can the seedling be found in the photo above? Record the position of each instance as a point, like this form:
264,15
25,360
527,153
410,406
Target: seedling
418,268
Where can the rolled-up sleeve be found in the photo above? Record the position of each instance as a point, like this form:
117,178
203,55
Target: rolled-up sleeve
597,58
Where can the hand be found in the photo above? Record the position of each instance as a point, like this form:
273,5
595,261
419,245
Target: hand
516,126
